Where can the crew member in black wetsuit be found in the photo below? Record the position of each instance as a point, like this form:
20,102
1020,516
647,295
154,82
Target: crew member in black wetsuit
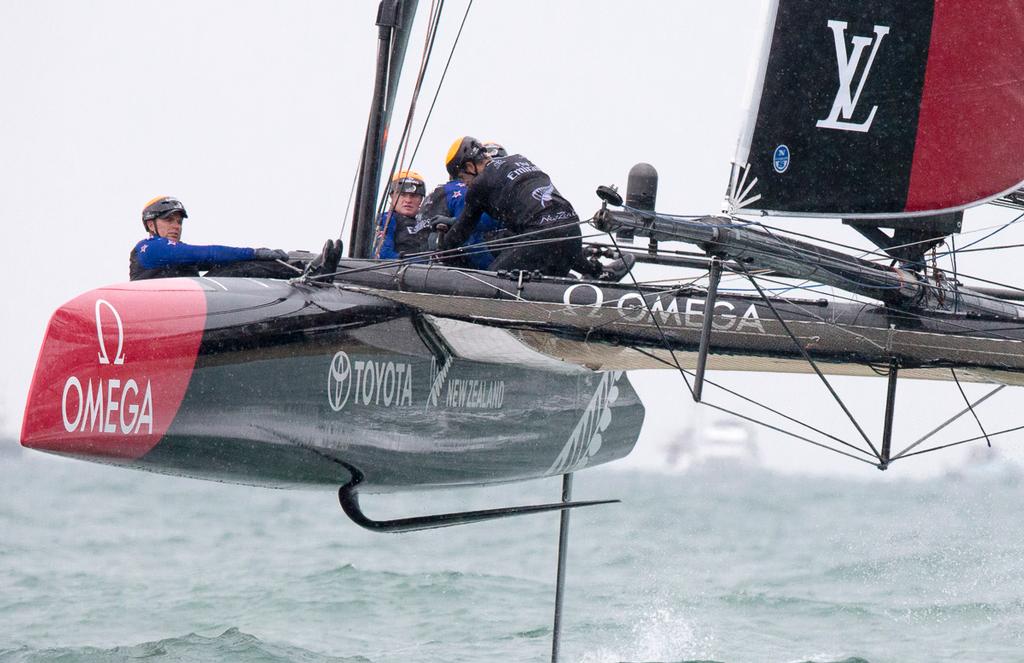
164,255
512,189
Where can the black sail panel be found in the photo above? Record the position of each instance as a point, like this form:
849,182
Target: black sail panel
836,124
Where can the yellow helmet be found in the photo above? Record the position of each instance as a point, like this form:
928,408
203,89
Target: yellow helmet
160,207
462,151
407,181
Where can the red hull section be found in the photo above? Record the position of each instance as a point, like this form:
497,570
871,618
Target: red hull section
969,140
113,369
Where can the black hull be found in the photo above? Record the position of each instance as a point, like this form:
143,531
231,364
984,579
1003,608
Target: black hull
292,385
619,326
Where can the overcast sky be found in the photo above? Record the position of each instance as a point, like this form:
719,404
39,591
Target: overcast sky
253,115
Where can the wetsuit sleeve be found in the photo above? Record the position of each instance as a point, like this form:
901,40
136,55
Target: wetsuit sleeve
456,203
488,223
386,233
456,198
434,204
161,252
469,217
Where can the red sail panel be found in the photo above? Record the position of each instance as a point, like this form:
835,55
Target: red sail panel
970,133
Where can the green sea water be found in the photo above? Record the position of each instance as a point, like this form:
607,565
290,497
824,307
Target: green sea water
105,564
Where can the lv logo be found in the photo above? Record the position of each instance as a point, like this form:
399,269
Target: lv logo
845,104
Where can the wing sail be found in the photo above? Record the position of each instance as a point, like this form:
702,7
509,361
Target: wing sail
881,109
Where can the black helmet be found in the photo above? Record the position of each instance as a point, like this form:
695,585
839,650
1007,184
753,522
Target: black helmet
160,207
463,151
495,150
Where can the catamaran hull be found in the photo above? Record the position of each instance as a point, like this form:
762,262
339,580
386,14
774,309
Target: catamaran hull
269,383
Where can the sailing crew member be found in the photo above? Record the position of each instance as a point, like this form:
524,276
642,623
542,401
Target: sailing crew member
164,255
521,195
448,200
399,232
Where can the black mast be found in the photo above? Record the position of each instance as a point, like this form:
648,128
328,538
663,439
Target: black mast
394,21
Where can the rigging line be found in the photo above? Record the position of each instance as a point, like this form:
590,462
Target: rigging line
984,248
351,195
949,421
440,83
947,272
432,23
764,406
815,317
962,328
416,258
887,257
882,256
953,444
533,305
956,290
661,332
817,370
812,316
435,18
800,253
792,434
875,252
497,243
997,230
973,413
987,281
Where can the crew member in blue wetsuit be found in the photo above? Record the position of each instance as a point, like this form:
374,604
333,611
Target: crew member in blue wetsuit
400,231
164,255
447,200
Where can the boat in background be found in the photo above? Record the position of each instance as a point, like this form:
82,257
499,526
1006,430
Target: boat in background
720,445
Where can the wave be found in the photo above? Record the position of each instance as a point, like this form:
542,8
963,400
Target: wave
231,645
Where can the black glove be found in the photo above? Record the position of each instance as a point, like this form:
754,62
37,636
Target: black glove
270,254
441,223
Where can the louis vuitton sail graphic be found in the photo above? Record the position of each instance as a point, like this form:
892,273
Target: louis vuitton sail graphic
884,109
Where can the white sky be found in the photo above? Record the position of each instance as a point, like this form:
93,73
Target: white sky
253,114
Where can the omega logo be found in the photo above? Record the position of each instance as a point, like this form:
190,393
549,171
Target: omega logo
119,355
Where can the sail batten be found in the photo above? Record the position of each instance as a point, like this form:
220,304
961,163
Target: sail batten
885,109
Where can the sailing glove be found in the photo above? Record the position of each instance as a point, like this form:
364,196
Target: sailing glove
270,254
441,223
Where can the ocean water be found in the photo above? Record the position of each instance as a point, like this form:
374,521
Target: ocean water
104,564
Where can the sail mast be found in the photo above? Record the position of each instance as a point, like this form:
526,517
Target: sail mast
394,23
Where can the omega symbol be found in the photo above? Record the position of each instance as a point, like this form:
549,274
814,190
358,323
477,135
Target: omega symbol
103,356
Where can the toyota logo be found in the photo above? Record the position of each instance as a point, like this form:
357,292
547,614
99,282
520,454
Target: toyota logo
339,382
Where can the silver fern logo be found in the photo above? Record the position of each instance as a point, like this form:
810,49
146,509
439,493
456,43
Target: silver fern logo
586,438
543,194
